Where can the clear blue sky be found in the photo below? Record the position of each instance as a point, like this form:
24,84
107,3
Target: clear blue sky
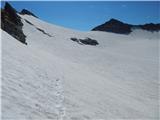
86,15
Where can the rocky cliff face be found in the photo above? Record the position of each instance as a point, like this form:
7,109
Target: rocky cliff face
116,26
11,23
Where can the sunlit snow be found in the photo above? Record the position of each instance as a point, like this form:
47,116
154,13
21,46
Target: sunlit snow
55,78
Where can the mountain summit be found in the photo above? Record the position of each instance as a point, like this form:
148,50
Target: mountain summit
24,11
116,26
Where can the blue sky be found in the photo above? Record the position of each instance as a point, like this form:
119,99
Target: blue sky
86,15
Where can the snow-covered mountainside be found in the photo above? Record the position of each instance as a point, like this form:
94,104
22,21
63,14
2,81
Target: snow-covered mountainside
53,77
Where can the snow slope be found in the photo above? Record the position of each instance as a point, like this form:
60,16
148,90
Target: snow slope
56,78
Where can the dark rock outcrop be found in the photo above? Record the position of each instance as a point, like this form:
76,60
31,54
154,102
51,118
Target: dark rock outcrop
116,26
11,23
39,29
86,41
28,22
44,32
24,11
150,27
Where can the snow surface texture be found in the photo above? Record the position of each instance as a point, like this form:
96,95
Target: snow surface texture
54,78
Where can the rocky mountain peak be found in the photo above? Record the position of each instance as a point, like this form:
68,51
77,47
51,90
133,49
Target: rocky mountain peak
24,11
9,8
112,20
116,26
